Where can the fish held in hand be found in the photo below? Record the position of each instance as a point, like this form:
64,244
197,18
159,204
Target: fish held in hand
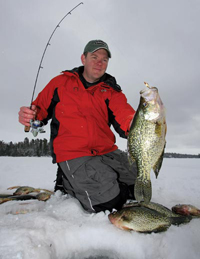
146,141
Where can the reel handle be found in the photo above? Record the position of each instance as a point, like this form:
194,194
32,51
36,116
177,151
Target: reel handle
26,128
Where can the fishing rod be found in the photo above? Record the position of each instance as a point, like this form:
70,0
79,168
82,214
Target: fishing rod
37,125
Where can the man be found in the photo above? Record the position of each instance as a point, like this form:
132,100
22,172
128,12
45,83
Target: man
83,103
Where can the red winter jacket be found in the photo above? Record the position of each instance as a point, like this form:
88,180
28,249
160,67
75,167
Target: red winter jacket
81,118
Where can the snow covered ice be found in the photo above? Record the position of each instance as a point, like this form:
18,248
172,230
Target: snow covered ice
60,229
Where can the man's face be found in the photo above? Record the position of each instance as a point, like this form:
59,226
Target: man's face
95,65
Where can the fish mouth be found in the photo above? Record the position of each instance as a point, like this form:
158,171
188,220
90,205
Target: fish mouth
150,88
149,94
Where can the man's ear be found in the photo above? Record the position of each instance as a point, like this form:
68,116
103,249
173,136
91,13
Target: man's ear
83,59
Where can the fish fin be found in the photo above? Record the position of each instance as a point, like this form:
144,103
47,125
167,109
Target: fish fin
142,191
138,190
131,161
147,191
160,229
158,164
165,127
180,220
13,187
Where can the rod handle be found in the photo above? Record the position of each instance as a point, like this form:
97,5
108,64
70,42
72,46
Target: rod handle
27,128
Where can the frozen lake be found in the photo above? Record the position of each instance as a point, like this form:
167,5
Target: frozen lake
60,228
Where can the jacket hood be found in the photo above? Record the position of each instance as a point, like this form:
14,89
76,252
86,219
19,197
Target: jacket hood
106,78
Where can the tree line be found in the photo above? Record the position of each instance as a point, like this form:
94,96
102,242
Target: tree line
34,147
41,147
177,155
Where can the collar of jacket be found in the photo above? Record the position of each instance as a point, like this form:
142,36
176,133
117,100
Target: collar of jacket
106,78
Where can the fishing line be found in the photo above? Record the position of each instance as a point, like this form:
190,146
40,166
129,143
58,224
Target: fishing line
37,125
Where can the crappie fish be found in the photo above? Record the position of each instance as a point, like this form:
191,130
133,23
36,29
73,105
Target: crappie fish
22,193
5,195
186,209
146,141
17,198
176,219
21,190
140,219
154,206
44,196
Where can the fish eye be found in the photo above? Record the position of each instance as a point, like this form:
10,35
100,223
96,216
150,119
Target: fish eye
125,218
145,104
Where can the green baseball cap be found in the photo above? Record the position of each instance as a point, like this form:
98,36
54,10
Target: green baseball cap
94,45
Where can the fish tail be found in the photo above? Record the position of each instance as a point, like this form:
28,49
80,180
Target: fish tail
142,190
180,220
138,190
147,190
195,213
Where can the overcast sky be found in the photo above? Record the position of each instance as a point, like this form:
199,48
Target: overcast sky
154,41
